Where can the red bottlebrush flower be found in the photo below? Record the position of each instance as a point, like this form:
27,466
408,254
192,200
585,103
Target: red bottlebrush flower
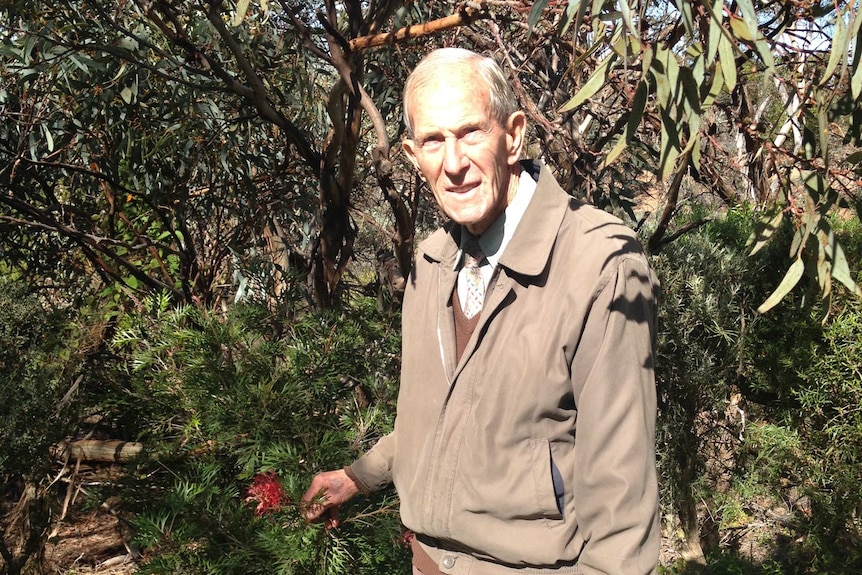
406,538
267,491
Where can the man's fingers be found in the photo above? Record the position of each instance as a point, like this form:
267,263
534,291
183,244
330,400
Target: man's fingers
331,519
328,514
328,490
313,511
314,501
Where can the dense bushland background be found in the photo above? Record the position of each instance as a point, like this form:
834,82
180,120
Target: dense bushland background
760,421
205,221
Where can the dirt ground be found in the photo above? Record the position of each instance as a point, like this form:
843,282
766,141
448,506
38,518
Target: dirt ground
89,536
91,541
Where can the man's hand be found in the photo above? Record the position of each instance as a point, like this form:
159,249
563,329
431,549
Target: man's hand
327,492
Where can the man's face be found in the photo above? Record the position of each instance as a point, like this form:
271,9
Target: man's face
463,153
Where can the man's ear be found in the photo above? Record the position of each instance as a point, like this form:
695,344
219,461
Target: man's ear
516,127
409,147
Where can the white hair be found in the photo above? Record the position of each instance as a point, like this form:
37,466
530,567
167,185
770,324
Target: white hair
502,102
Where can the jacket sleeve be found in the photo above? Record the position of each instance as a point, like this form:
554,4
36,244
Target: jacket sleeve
374,469
615,482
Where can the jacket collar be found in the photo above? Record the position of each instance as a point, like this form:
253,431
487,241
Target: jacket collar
530,247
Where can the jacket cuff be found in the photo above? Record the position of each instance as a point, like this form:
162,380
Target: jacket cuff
370,473
359,483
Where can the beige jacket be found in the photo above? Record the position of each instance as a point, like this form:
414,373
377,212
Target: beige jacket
536,450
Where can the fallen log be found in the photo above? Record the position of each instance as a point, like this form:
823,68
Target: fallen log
98,450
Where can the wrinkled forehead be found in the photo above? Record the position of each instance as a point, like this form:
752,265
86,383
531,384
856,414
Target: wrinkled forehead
443,86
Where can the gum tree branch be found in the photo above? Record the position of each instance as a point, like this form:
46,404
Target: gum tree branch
466,14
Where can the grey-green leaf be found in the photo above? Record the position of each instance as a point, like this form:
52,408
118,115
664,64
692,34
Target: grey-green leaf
791,278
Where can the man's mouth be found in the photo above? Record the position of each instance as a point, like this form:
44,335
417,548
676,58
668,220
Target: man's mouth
463,189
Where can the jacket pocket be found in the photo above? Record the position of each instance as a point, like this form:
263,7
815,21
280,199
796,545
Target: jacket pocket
548,482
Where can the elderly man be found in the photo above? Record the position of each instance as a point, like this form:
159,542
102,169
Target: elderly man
524,436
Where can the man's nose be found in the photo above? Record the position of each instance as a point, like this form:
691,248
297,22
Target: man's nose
454,160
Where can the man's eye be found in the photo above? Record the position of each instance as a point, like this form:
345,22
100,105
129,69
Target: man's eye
472,135
431,143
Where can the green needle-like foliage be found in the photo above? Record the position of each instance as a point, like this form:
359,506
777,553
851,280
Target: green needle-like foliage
239,420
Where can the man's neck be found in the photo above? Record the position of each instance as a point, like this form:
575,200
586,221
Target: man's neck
512,186
514,180
495,237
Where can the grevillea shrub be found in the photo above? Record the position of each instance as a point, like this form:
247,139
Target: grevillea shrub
238,420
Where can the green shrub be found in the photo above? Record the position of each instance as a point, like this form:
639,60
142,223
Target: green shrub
759,409
238,421
809,448
38,366
706,309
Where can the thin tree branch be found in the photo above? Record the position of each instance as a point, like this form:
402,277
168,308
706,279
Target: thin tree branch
655,241
466,14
